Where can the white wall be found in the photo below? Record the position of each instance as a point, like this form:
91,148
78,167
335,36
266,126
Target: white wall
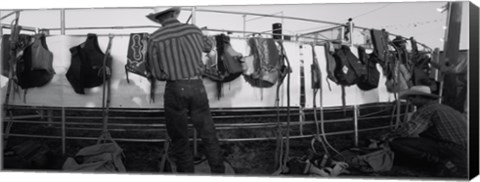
237,93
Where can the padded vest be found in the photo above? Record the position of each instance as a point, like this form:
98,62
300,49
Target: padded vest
35,68
86,65
372,77
267,62
348,68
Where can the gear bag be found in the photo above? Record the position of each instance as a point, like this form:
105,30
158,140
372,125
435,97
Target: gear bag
101,157
370,160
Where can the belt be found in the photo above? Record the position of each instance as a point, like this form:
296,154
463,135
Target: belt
191,78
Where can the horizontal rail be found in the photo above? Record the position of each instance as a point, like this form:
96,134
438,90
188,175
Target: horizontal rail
221,140
231,109
24,28
218,125
23,117
267,15
108,27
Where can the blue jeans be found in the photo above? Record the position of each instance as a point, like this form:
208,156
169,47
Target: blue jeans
183,99
431,151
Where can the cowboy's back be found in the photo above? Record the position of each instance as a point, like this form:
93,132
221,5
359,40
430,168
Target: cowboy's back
176,50
446,123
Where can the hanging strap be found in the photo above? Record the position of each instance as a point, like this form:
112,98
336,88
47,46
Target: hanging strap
13,47
344,101
106,91
282,151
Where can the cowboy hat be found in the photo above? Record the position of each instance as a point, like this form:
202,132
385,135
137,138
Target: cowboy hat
418,90
160,11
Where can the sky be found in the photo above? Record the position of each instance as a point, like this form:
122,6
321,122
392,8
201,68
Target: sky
419,19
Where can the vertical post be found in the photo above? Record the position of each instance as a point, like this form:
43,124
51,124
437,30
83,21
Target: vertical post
350,27
195,133
1,28
451,52
62,21
244,25
355,124
50,117
194,15
63,132
1,35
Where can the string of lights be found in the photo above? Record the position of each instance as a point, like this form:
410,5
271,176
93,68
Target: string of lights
413,24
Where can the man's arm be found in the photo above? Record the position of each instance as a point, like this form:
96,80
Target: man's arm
154,60
208,43
411,128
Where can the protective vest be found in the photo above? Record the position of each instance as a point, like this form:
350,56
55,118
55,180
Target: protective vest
85,70
35,68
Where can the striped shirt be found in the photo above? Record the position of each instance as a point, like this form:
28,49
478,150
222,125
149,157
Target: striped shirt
175,51
435,121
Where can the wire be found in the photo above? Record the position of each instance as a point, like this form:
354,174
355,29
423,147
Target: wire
371,11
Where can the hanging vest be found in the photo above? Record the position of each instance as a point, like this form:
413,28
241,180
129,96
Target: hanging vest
371,78
380,45
331,63
267,62
228,60
23,41
35,68
400,77
348,68
137,55
223,64
86,65
421,68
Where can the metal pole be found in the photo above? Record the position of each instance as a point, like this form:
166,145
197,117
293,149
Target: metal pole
272,16
350,27
6,16
244,25
49,117
195,137
194,15
63,132
355,123
1,35
62,21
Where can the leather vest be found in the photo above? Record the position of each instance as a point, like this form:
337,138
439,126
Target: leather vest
86,65
137,55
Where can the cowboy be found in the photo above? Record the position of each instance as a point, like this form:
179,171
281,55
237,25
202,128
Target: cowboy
175,51
436,133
